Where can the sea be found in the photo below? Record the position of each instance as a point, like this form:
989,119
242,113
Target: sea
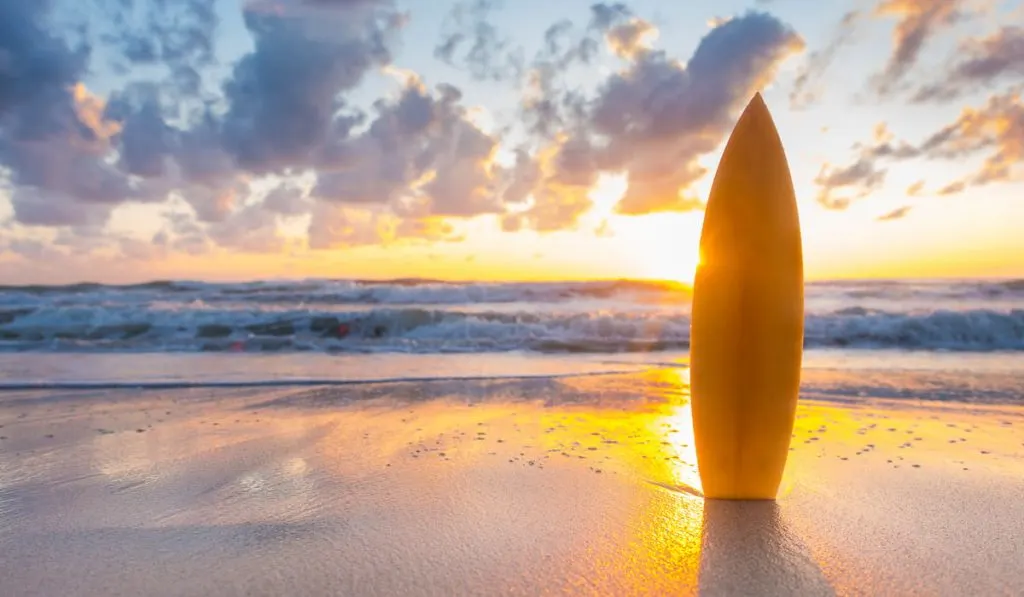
182,333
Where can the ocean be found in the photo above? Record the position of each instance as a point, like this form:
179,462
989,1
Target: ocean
349,331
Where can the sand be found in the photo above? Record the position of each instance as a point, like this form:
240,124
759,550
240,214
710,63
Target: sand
529,487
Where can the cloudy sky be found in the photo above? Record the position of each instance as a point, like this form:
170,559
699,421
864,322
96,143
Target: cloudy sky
510,139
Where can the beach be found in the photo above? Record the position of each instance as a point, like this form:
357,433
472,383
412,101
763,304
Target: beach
550,484
432,438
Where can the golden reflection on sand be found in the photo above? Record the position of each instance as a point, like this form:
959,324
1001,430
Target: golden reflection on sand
676,428
597,498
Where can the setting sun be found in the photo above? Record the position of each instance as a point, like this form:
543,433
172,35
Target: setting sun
663,247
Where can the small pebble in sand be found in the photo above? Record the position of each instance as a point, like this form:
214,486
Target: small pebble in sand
50,436
916,465
140,431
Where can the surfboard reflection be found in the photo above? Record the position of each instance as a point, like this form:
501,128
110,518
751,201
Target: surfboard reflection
747,549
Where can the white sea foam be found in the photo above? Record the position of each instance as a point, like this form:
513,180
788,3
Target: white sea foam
433,317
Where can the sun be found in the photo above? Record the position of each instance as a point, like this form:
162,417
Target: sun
663,246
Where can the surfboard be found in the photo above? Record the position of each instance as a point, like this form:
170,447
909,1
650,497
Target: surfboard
747,321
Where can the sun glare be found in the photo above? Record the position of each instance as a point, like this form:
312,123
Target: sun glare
664,246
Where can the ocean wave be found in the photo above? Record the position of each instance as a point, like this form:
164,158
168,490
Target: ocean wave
351,292
436,330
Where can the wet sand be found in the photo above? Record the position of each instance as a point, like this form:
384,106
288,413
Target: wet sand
567,486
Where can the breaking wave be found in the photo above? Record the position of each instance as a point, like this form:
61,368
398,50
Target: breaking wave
165,326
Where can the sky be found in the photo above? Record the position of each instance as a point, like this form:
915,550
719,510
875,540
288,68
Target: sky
497,139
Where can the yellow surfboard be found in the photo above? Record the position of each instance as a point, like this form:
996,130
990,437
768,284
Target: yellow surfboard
747,322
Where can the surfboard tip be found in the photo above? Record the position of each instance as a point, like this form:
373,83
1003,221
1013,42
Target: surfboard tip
757,101
756,115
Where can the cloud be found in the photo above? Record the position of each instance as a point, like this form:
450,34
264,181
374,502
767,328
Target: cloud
918,21
145,140
179,33
994,132
806,87
656,118
470,41
283,95
335,226
981,63
52,138
72,157
420,155
244,156
952,188
630,38
287,199
895,214
253,229
840,186
34,207
560,195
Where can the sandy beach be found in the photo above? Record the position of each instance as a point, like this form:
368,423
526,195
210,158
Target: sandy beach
579,485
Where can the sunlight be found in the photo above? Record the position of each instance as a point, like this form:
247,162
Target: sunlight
663,246
676,429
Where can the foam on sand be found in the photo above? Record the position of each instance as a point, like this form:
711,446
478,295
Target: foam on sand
565,486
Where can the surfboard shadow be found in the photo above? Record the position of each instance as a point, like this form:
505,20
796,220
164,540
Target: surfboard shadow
747,549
